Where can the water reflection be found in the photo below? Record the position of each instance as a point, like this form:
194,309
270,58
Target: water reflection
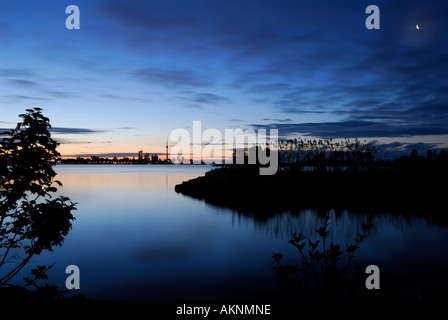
136,238
345,222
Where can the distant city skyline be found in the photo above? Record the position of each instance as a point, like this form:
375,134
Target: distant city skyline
112,155
137,70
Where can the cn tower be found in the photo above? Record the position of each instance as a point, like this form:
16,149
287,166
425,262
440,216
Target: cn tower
167,150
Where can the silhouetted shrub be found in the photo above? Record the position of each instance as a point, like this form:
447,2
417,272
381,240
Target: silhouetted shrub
321,271
31,220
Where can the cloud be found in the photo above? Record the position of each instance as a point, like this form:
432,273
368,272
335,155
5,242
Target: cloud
298,110
431,113
125,128
209,98
397,149
124,98
62,130
62,94
22,83
292,57
173,77
295,56
354,129
16,98
278,120
71,141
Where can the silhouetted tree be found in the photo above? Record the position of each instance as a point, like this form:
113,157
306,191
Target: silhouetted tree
414,154
429,155
31,220
320,154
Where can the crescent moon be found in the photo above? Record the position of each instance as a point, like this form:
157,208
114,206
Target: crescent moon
418,28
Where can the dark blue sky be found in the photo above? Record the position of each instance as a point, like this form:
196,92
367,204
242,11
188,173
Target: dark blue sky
136,70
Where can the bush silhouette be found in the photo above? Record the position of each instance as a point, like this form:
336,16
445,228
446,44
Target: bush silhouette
321,271
31,220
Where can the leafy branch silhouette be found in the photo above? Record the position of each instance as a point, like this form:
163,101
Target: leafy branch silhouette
320,271
31,219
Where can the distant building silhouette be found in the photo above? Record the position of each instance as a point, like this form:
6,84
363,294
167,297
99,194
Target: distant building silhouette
167,157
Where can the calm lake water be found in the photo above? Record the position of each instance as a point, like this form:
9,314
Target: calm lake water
134,237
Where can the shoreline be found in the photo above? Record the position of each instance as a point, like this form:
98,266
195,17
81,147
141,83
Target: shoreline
378,191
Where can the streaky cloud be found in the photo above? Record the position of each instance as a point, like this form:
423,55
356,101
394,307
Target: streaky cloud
355,129
173,77
64,130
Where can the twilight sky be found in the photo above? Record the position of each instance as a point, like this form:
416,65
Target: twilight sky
137,70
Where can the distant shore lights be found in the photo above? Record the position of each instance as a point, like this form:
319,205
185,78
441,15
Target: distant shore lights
238,147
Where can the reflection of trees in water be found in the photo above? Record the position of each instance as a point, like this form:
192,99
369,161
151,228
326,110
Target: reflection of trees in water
343,227
395,243
345,223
